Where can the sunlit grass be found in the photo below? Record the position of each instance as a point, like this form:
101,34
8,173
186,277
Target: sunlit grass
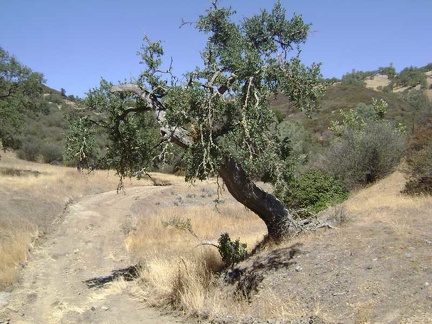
180,262
15,242
24,185
174,244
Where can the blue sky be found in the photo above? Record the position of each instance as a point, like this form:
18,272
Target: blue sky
76,42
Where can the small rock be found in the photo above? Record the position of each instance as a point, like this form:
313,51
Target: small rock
4,296
93,308
426,284
298,268
104,308
408,255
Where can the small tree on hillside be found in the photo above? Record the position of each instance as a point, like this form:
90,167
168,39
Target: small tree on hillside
411,77
366,147
20,91
219,113
390,71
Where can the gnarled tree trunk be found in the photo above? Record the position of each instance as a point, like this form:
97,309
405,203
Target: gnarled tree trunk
266,206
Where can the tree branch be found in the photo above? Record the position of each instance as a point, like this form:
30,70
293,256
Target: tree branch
179,135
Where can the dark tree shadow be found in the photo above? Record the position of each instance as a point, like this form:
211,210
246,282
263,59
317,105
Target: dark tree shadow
249,275
128,274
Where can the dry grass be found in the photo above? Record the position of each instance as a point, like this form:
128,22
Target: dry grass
155,233
33,196
178,269
267,305
383,203
178,273
377,81
384,231
15,241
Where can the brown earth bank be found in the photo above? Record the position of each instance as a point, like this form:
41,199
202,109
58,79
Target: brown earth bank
375,267
88,244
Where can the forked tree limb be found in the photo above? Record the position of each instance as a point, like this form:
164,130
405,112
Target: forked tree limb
179,135
271,210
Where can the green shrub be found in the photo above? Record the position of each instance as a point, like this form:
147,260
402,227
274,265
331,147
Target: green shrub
360,157
419,163
411,77
357,77
366,147
390,71
51,153
30,149
315,191
55,98
231,252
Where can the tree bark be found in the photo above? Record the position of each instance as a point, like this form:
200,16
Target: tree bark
266,206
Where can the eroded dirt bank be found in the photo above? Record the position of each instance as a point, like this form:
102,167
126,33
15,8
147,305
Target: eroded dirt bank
88,243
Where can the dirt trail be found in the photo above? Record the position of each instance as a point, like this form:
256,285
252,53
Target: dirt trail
88,243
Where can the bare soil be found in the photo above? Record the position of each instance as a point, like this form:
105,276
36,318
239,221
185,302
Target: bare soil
87,245
376,267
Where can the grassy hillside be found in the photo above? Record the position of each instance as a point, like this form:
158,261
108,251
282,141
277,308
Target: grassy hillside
346,94
34,195
371,264
345,97
42,139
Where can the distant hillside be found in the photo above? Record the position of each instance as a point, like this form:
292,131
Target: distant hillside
42,139
61,92
379,82
358,87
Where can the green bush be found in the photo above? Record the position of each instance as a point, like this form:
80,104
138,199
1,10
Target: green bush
419,163
315,191
360,157
366,147
51,153
55,98
411,77
231,252
30,149
357,77
390,71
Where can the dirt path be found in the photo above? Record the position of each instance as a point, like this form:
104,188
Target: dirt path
88,243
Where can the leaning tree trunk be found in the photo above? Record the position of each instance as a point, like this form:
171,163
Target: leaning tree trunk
266,206
276,217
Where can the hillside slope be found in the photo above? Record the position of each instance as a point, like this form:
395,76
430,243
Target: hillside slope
375,268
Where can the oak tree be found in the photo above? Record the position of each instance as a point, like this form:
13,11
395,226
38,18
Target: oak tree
21,92
219,113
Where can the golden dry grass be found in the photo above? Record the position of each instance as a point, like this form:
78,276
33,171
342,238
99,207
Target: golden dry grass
33,196
179,273
15,242
178,269
383,203
377,81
